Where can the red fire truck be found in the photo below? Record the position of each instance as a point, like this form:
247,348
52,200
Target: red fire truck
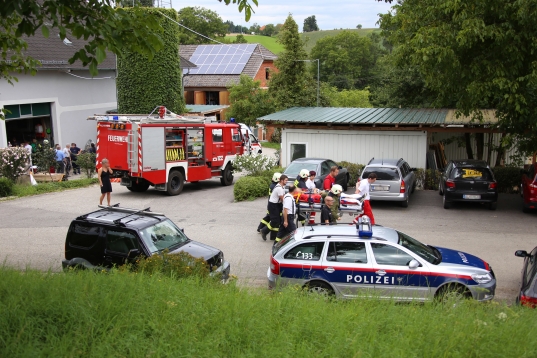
167,150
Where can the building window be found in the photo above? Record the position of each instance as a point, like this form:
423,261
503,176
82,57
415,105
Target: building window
213,98
297,150
267,73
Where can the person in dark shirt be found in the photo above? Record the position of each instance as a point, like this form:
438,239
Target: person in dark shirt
75,151
326,212
92,148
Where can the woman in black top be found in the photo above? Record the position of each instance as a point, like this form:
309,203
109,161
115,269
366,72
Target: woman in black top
104,180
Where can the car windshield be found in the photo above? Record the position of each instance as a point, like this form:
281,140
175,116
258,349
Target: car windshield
472,173
284,241
294,168
425,252
164,235
383,173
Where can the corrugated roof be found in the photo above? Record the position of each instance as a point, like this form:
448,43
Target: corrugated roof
366,116
204,109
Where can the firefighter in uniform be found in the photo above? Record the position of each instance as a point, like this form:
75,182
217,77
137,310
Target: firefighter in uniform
266,219
274,208
300,184
335,192
288,215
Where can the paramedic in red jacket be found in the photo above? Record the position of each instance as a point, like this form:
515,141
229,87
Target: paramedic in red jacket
330,178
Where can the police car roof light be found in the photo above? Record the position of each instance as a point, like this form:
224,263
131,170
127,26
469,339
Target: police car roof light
364,227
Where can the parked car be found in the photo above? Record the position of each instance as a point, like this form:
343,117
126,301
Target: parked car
528,189
468,180
114,236
321,167
341,260
395,180
527,295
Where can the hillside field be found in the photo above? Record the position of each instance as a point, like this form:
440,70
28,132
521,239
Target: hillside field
269,42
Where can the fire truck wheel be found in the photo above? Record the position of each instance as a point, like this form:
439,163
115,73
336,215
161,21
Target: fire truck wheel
176,182
227,176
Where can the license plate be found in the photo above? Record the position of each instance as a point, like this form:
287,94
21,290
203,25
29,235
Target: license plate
474,197
380,188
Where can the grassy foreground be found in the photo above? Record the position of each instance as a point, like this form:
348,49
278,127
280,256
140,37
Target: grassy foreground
21,190
123,314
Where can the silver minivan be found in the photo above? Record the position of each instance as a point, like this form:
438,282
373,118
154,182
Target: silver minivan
395,180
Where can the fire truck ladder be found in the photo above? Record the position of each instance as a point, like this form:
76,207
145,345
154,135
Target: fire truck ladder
133,164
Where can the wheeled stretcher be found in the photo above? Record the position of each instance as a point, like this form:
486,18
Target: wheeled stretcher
348,203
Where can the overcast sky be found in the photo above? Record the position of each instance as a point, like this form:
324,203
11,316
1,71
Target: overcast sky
330,14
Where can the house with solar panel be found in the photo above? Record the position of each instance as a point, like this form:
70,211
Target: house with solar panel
219,66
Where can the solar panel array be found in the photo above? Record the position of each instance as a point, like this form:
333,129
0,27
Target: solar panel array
221,59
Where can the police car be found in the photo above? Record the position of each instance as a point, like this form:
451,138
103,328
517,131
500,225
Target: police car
364,260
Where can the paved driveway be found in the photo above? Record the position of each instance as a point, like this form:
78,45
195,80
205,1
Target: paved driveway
32,229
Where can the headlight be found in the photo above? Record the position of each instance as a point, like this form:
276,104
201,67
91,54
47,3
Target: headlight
484,278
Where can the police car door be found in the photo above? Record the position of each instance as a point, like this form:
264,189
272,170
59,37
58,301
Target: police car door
348,267
392,275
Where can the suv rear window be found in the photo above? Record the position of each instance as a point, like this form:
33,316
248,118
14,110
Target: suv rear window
471,173
383,173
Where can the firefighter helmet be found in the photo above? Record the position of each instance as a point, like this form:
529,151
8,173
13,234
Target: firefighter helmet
336,189
304,173
276,177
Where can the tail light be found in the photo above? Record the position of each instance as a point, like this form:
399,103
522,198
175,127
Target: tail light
274,266
528,301
402,187
493,185
450,184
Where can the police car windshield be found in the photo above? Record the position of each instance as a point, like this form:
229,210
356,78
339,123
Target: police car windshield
424,251
164,235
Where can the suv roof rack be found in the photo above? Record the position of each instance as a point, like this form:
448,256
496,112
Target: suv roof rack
118,208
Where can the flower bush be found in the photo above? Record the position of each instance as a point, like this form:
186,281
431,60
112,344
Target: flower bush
14,162
253,165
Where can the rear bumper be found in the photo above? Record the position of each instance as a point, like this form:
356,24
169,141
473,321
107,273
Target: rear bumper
459,196
385,197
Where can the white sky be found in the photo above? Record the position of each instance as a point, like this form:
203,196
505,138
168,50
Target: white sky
330,15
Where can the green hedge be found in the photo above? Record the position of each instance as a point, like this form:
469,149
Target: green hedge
354,170
143,84
249,188
427,179
6,187
508,179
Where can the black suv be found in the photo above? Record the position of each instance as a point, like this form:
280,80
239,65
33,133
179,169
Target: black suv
114,235
468,180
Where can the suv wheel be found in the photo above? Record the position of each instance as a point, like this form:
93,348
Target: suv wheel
176,181
404,204
447,204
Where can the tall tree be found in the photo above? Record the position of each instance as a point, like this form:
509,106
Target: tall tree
292,85
105,28
203,21
248,101
478,54
310,24
269,30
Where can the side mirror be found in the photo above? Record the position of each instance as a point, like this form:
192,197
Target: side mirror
413,264
521,253
133,253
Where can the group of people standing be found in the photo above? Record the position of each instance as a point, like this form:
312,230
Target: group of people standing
282,210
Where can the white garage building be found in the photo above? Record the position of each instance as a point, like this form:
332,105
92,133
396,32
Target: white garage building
358,134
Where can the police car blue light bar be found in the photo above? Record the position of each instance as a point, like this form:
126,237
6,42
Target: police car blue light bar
364,226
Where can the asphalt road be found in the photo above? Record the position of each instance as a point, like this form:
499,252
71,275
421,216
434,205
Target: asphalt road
32,229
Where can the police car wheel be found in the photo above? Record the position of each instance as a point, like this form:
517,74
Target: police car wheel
453,292
319,288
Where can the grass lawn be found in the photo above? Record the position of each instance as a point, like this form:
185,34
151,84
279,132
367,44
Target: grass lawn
20,190
125,314
269,42
270,145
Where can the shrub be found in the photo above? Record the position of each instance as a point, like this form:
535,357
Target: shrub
6,187
354,170
508,179
427,179
253,165
44,158
87,161
177,266
14,162
250,187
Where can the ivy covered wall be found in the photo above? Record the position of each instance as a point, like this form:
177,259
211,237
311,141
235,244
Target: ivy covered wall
142,84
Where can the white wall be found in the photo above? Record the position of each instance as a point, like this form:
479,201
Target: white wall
358,146
73,100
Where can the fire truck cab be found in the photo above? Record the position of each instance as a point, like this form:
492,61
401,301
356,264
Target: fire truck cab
167,150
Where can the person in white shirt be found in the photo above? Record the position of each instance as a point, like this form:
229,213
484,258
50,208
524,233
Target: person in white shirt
310,183
288,214
362,187
67,153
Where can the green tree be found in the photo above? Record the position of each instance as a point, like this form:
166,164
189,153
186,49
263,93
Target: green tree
269,30
478,54
240,39
359,26
254,28
310,24
248,101
345,59
143,84
346,98
292,85
97,21
203,21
